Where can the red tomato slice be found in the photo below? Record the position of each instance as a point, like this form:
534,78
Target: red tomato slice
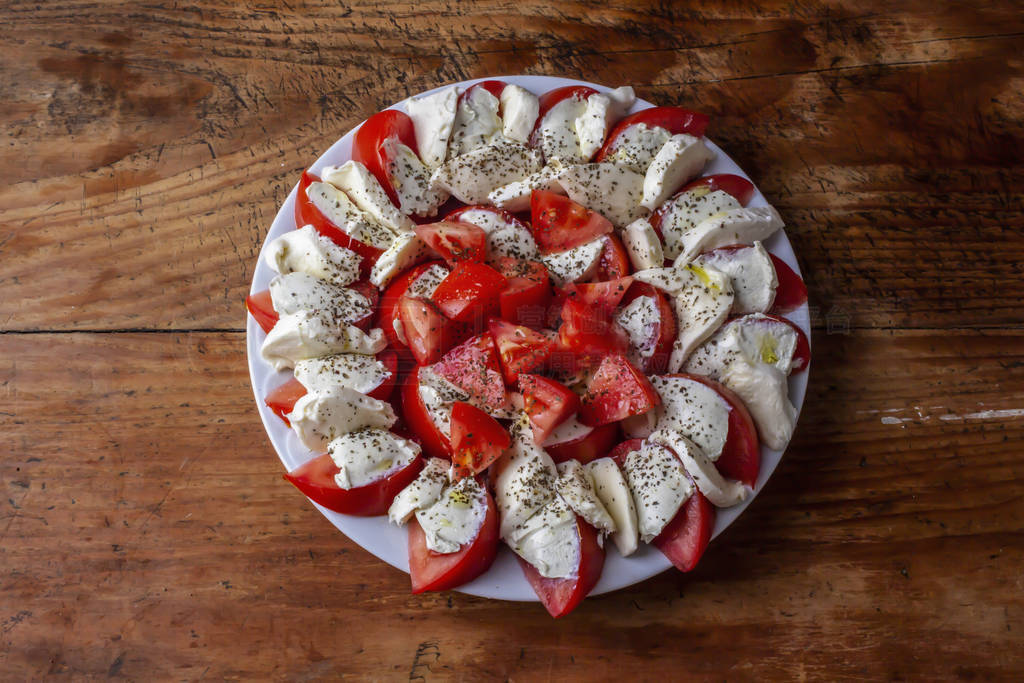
307,214
477,440
493,87
419,422
470,293
614,262
473,367
595,444
547,403
802,353
388,310
559,223
261,308
527,292
282,399
791,292
589,332
738,186
369,139
519,348
675,120
605,294
427,330
616,391
667,327
561,596
620,452
316,480
684,539
432,571
455,241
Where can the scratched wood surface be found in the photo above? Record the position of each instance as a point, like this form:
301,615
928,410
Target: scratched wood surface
146,533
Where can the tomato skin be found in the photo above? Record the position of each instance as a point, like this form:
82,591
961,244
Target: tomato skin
791,292
616,391
685,538
738,186
470,293
307,214
667,328
316,480
619,453
261,308
562,596
520,349
387,312
527,292
673,119
477,440
547,403
594,445
424,431
368,141
282,399
473,366
430,571
614,262
559,223
454,241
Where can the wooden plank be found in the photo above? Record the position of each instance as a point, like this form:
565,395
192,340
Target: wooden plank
147,533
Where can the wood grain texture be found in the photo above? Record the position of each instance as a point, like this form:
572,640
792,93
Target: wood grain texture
147,534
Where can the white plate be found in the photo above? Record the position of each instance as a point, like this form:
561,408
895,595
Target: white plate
505,579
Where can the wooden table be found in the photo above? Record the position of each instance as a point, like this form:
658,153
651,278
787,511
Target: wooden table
147,532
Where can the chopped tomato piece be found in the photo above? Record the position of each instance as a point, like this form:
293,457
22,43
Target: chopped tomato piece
589,332
427,330
547,403
738,186
387,314
561,596
421,426
455,241
368,145
604,294
559,223
282,399
791,292
527,292
262,309
614,261
675,120
477,440
593,445
519,348
470,292
316,480
307,214
473,367
616,391
684,539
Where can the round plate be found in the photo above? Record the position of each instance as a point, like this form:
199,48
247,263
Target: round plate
505,579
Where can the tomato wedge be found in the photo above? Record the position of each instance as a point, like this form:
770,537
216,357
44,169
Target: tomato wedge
282,399
316,480
614,262
422,427
589,332
616,391
605,294
561,596
791,292
470,293
527,292
559,223
675,120
619,453
547,403
261,308
667,327
519,348
738,186
367,147
591,446
455,241
427,330
477,440
684,539
473,367
387,313
432,571
307,214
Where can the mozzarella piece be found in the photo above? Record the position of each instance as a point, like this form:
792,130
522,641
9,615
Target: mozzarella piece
695,410
366,192
556,134
701,307
752,273
525,480
514,241
336,206
684,212
720,491
486,220
311,334
368,455
680,159
576,264
613,491
455,519
737,226
576,488
515,196
473,175
639,426
426,283
592,125
659,486
570,430
519,110
477,123
550,540
424,491
320,417
765,393
670,280
613,191
406,251
756,337
433,118
636,146
624,97
641,320
307,251
352,370
438,395
643,245
410,179
299,291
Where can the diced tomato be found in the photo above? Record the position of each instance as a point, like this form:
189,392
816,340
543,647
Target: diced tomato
620,452
477,440
684,539
367,147
455,241
605,294
561,596
614,262
527,292
307,214
473,367
791,292
493,87
282,399
421,425
547,403
675,120
616,391
667,327
431,571
593,445
262,309
802,353
388,311
316,480
553,97
470,293
559,223
519,348
738,186
589,331
429,332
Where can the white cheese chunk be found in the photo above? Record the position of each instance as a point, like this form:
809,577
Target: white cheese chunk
611,487
320,417
404,252
366,192
576,264
556,132
307,251
570,430
613,191
410,179
424,491
368,455
471,177
636,146
300,291
576,488
438,395
639,426
684,212
550,540
765,393
720,491
752,273
659,486
514,241
433,118
680,159
756,337
642,322
353,370
737,226
603,110
515,196
308,334
519,109
455,519
643,245
695,410
525,479
701,306
426,282
340,210
477,123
